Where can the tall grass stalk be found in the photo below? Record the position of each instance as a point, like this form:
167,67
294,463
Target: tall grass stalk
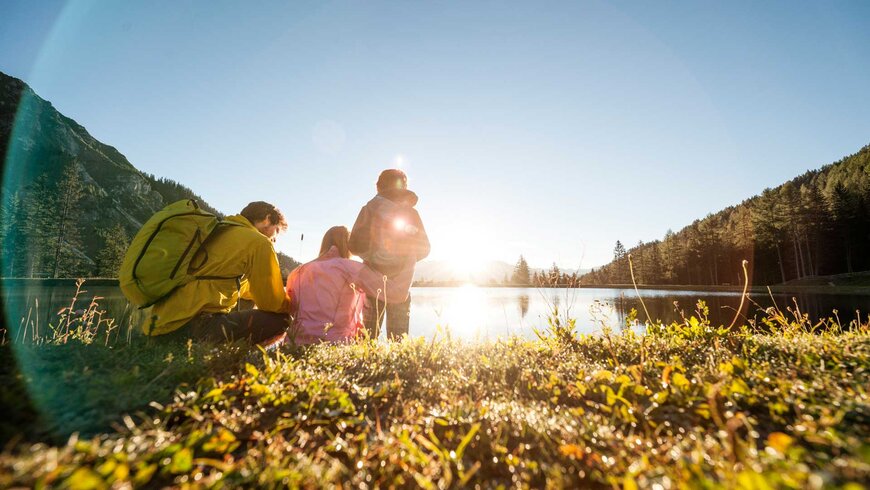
743,295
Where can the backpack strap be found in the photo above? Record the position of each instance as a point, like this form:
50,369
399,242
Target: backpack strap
203,250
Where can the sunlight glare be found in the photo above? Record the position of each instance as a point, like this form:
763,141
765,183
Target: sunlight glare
465,253
466,314
467,266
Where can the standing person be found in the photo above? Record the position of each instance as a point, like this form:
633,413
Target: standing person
240,261
389,236
328,294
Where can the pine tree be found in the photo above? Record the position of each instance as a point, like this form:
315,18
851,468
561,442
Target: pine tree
817,220
67,242
669,258
554,275
653,263
638,260
12,236
843,209
115,246
618,251
38,221
768,222
620,264
521,274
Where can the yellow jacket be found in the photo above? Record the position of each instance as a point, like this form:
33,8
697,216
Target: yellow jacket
235,251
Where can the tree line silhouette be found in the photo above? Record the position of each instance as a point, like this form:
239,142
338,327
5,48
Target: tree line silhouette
816,224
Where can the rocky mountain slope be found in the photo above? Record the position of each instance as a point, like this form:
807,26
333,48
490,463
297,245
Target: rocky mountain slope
41,143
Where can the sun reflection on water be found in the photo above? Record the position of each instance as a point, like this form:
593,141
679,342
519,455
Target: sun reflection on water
465,315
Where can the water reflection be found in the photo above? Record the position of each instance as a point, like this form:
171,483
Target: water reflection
34,307
465,313
497,312
474,312
669,306
523,303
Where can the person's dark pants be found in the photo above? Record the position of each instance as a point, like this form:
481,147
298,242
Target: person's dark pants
398,317
255,326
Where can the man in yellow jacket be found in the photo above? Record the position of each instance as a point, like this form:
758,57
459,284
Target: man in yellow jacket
241,263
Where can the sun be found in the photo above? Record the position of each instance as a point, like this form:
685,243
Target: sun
464,257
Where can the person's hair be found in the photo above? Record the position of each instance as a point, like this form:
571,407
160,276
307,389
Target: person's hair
259,210
392,178
337,236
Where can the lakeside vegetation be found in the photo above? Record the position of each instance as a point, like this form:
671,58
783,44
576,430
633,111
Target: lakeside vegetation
779,404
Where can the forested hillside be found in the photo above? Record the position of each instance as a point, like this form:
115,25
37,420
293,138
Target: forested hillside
815,224
70,203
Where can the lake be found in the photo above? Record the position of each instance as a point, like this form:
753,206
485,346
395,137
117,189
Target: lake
478,312
468,312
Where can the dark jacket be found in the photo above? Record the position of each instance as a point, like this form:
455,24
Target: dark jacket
388,231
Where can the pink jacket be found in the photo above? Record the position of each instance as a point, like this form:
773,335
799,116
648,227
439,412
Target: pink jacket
328,293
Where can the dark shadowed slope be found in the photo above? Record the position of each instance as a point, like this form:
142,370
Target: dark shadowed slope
56,172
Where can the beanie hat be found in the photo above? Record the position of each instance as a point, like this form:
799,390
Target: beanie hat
392,178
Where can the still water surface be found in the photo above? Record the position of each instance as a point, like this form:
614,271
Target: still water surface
474,312
471,312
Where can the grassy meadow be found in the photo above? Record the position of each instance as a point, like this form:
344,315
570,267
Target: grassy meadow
688,405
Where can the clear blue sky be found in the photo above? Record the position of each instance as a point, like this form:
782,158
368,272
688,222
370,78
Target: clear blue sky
546,130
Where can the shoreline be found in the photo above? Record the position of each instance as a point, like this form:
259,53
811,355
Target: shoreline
776,289
14,282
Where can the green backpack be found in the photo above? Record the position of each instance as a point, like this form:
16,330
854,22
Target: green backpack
163,251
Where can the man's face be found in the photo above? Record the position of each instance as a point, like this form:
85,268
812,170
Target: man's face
267,228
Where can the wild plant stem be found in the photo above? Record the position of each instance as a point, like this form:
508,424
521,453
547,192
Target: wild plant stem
648,318
742,296
634,283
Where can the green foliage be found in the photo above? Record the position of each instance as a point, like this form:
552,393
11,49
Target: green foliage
686,405
42,226
64,224
554,278
112,255
172,191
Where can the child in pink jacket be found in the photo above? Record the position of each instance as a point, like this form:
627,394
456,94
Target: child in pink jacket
327,295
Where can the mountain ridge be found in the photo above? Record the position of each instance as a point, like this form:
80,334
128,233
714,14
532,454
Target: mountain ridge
40,144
